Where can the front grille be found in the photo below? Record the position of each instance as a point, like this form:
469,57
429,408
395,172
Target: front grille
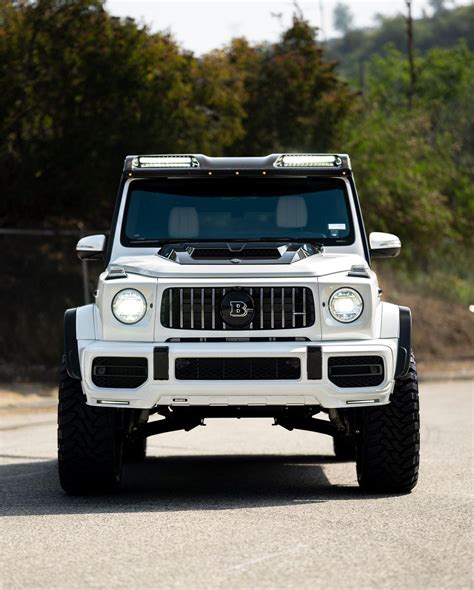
356,371
237,369
276,308
119,372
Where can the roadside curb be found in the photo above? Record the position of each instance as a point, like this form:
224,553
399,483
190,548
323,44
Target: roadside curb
445,377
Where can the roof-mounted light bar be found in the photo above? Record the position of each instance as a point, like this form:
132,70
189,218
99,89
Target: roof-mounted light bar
165,161
307,161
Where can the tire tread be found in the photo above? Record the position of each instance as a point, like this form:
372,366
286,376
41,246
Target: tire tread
87,442
388,442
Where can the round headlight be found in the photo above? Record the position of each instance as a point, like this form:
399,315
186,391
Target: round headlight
345,305
129,306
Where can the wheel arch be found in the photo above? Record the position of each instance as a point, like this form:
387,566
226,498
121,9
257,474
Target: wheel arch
71,351
404,342
78,325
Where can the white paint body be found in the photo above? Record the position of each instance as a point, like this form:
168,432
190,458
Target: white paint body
375,332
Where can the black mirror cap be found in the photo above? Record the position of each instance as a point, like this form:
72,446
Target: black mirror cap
385,253
90,255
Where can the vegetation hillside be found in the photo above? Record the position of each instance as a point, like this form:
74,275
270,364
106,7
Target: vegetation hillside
444,29
80,89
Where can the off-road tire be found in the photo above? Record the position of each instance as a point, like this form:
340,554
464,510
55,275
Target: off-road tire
89,442
344,447
388,440
134,451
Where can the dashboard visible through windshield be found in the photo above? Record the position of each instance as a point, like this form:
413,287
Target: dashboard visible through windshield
230,209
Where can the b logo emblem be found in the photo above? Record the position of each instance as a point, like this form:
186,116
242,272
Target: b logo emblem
237,309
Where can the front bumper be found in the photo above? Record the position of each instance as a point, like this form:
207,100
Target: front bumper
298,392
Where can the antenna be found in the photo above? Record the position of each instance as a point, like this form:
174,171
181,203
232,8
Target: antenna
322,26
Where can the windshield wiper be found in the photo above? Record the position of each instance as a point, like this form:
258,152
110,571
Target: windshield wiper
273,239
162,242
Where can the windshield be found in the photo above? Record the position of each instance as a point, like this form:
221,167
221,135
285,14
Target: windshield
230,209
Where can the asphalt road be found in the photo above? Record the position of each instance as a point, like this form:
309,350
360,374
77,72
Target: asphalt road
241,504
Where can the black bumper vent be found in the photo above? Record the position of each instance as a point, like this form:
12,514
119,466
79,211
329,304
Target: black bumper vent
119,372
356,371
276,308
237,369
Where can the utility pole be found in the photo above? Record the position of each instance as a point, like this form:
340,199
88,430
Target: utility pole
322,28
411,57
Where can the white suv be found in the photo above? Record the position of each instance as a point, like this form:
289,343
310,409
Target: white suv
238,287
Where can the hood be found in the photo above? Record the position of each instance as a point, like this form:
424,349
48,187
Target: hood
317,265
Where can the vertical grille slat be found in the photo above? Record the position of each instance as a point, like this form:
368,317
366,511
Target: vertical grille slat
272,306
304,307
171,308
293,307
223,323
202,308
283,307
213,309
276,308
251,295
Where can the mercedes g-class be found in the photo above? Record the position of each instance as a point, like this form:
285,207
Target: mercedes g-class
238,288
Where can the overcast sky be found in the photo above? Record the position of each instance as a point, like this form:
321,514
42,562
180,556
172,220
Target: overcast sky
203,25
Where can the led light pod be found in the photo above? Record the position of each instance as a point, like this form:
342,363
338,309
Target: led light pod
165,161
307,161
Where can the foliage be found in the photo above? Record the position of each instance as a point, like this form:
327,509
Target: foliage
294,98
81,89
416,167
342,18
444,29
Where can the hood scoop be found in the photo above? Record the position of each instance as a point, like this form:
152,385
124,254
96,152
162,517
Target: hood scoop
238,253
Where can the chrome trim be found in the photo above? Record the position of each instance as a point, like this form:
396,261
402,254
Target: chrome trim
283,307
213,300
171,308
304,308
202,308
293,305
272,308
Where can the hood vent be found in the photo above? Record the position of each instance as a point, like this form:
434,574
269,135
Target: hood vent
245,253
238,253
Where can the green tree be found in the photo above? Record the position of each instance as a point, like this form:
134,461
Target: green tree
415,168
81,89
343,18
437,5
294,96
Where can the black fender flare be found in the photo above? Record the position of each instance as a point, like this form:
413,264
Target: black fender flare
71,352
404,342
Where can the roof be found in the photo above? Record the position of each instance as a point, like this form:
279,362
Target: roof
152,165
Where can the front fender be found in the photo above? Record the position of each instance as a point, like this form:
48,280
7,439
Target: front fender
78,324
404,343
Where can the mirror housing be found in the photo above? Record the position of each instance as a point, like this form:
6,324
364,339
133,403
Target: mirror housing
384,245
91,248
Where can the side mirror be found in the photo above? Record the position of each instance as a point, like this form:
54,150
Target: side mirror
384,245
91,248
